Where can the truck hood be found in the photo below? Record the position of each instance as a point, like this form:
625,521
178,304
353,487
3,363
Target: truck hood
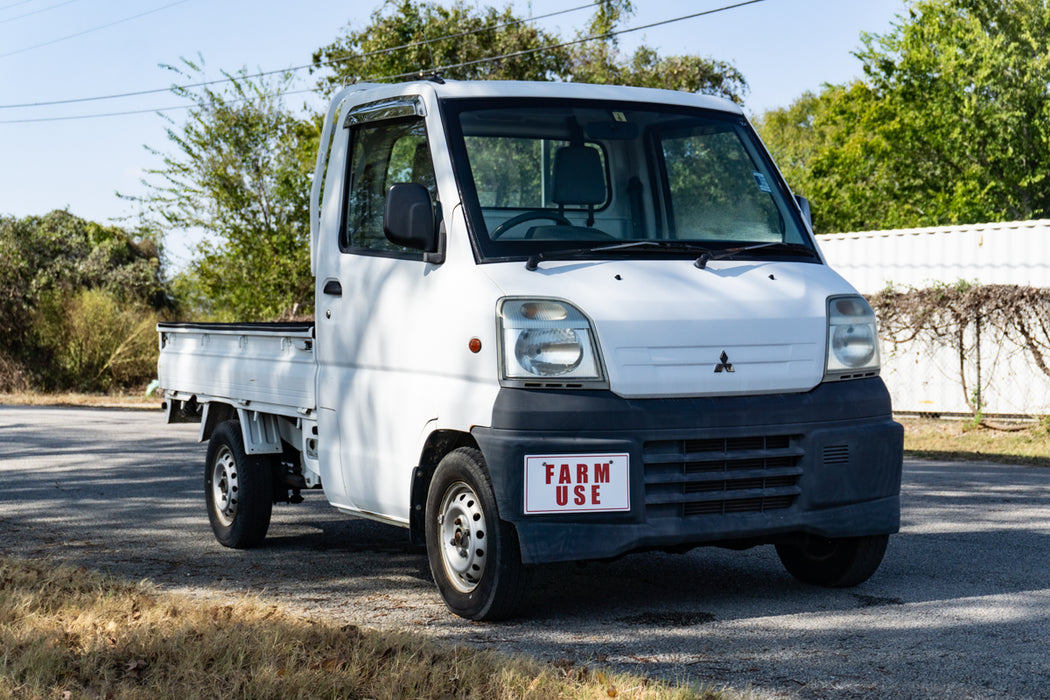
668,329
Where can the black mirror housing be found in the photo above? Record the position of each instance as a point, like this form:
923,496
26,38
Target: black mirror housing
408,217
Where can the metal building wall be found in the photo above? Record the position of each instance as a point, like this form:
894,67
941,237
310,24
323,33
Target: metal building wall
922,378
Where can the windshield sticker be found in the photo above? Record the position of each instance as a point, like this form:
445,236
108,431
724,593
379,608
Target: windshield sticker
763,184
619,116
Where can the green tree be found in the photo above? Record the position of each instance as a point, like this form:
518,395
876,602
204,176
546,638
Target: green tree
832,147
240,172
599,60
457,38
49,262
951,123
241,163
406,38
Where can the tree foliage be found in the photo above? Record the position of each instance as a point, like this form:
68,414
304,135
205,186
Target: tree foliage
598,59
59,271
461,41
950,125
240,165
240,172
457,38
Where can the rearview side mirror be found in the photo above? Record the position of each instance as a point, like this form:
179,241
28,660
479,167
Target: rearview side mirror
409,220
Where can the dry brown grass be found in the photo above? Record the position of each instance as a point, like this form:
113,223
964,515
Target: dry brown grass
116,400
68,633
962,440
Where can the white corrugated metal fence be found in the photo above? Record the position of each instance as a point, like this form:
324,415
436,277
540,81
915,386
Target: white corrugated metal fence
924,378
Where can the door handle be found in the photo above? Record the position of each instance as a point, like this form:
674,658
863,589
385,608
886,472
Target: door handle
333,288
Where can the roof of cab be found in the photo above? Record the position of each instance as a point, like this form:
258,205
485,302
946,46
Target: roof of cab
453,89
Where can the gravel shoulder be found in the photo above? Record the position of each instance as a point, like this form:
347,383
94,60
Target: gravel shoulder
959,608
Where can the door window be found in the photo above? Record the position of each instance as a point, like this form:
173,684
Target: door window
383,154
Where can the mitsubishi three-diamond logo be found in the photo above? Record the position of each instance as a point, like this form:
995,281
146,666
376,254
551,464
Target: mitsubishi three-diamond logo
725,365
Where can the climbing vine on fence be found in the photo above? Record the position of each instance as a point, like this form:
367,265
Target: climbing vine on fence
958,315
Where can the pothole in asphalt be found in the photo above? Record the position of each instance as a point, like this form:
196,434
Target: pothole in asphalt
678,618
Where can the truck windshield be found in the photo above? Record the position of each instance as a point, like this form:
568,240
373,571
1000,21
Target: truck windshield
539,176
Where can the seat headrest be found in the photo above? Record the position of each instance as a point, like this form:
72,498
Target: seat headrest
579,177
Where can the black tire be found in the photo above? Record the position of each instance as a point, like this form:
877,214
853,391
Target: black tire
834,563
474,556
238,489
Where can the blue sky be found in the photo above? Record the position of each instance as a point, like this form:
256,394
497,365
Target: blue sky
63,49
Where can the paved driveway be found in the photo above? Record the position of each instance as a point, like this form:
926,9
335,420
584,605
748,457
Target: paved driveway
960,607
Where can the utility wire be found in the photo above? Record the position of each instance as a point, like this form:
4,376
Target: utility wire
294,69
92,29
35,12
438,69
15,4
154,110
594,37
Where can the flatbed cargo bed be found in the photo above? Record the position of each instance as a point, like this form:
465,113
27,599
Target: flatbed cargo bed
269,366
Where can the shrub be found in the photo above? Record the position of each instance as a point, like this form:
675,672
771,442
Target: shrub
13,379
93,342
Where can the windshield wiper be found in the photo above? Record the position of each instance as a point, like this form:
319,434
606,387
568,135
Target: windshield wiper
660,245
665,245
792,248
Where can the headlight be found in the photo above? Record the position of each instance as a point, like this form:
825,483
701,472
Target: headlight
853,340
544,342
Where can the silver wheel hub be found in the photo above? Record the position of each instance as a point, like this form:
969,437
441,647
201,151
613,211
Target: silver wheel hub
224,486
463,536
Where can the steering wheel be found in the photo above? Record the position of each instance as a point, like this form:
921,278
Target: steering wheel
529,216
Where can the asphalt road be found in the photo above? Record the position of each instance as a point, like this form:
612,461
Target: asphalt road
960,607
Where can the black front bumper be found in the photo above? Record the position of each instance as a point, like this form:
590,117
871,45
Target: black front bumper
726,470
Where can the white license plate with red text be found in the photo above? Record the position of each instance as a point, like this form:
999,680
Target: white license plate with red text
583,483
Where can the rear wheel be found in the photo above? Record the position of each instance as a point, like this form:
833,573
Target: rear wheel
835,563
238,489
474,556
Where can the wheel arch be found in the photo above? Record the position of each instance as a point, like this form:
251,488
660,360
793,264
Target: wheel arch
439,443
215,413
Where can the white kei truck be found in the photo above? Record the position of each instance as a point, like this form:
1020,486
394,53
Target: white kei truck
554,322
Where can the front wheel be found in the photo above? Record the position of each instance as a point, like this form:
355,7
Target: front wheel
238,489
474,556
834,563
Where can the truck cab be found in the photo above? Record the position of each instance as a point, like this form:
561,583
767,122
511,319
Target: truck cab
561,322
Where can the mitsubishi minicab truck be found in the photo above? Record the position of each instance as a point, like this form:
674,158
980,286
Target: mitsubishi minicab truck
554,322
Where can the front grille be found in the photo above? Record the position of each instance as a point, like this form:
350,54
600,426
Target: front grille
719,476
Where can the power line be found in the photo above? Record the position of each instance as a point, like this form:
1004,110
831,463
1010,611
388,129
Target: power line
427,42
594,37
15,4
294,69
35,12
75,117
154,110
92,29
488,59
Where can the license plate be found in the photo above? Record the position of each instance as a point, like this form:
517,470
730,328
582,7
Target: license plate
581,483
